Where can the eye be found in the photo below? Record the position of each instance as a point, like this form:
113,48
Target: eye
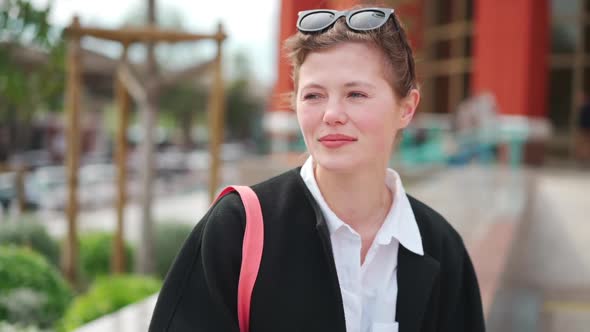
357,94
311,96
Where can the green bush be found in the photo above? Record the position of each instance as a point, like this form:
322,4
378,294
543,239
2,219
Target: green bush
31,289
31,234
107,295
6,327
169,239
96,250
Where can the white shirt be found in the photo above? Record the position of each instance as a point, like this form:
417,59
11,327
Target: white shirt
369,291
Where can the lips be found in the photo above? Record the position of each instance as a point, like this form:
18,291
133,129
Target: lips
337,138
333,141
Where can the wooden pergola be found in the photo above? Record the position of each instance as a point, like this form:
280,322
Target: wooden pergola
128,85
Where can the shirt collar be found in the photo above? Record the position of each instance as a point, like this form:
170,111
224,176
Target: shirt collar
400,222
333,222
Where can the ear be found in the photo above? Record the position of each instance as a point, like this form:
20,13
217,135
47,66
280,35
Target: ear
408,107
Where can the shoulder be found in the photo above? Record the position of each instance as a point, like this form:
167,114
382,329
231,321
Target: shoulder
222,230
282,186
439,239
227,216
281,195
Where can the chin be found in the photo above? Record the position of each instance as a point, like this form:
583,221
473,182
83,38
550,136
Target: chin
337,162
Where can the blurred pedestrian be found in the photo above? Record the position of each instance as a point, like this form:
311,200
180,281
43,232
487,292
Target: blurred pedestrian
345,248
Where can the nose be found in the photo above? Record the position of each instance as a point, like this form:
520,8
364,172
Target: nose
335,113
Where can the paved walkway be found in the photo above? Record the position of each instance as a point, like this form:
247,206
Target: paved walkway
486,206
546,286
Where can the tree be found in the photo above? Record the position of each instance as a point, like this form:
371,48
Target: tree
149,92
184,103
145,261
27,86
243,107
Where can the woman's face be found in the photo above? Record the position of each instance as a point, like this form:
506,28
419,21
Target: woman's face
347,111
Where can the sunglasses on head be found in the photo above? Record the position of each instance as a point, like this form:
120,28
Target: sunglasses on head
363,19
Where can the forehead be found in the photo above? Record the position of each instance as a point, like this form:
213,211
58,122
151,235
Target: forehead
346,60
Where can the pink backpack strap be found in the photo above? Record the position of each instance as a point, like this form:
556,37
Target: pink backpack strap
251,251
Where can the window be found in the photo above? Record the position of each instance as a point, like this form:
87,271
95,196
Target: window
569,74
560,97
448,54
441,94
563,8
564,36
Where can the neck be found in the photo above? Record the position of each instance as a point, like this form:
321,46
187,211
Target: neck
360,199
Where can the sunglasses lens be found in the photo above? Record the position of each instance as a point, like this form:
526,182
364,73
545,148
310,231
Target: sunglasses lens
367,20
316,21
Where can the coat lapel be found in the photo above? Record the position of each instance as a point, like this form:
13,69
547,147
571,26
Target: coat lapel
415,277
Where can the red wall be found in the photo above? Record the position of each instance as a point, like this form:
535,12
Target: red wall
510,54
287,22
510,49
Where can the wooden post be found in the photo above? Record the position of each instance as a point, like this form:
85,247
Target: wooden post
73,85
123,102
216,116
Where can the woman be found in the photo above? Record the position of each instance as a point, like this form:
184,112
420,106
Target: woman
345,248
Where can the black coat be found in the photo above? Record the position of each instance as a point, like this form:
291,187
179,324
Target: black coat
297,287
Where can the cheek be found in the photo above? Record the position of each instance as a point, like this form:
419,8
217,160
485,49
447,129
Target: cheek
307,120
379,127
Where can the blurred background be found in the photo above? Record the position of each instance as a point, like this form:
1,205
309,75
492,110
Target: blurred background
119,121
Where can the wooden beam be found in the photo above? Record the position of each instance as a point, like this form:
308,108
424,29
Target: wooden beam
449,31
216,116
123,103
563,60
141,34
132,84
73,86
447,67
567,61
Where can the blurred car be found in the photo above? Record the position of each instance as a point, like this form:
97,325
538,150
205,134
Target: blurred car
97,185
47,186
200,160
31,158
7,189
9,192
171,162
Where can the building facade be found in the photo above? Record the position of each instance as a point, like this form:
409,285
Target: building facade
532,55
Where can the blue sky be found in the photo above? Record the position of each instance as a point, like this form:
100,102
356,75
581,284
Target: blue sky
252,26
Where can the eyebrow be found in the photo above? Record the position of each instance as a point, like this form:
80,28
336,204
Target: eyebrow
359,83
351,84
